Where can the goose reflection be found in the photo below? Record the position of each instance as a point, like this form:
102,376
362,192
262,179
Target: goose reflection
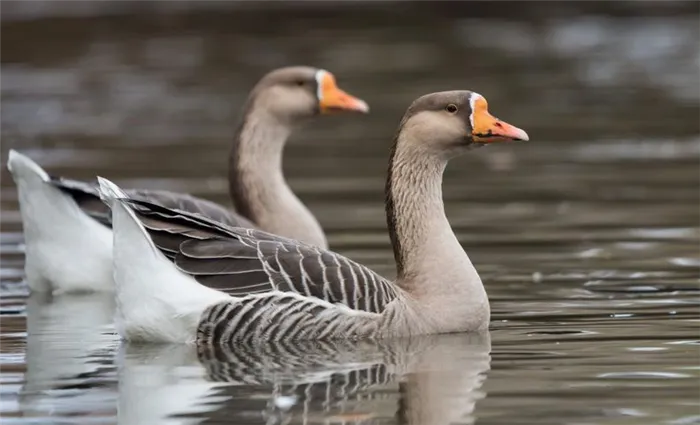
69,356
427,380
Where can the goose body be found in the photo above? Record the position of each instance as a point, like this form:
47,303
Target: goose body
246,284
68,230
62,243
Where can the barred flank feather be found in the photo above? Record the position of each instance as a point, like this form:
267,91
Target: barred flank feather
282,316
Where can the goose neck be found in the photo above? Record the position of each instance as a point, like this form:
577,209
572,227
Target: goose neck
431,263
257,184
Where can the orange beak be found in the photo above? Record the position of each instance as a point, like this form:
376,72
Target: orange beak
488,129
331,98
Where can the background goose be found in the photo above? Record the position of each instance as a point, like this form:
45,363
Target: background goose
67,228
301,291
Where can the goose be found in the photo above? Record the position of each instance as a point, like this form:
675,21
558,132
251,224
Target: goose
228,285
67,228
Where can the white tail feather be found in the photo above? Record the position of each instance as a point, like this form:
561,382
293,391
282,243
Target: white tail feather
155,301
66,250
109,192
22,166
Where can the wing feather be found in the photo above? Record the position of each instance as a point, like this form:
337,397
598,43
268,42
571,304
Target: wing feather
88,199
241,261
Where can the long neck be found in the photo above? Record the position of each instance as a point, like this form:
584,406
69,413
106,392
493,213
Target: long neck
257,185
431,264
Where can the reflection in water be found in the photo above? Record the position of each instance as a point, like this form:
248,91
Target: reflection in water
586,237
158,382
430,380
70,339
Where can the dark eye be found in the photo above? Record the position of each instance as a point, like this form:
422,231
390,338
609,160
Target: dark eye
451,108
300,83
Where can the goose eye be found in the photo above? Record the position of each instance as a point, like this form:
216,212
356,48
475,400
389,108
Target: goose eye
451,108
301,83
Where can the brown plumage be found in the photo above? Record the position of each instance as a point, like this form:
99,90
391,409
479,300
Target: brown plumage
281,101
285,290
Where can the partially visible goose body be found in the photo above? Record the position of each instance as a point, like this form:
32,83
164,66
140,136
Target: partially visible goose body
258,286
67,228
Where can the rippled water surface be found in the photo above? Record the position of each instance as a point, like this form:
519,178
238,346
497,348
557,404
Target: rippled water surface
587,237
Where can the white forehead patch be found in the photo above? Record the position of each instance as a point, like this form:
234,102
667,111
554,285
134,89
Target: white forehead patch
319,82
472,100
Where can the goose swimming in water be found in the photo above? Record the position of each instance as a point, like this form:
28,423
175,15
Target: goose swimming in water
258,286
67,228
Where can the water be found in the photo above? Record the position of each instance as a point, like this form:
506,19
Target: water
587,237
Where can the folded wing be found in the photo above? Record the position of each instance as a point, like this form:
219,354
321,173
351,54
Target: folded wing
86,196
243,261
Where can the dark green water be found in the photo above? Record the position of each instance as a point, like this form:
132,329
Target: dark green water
587,237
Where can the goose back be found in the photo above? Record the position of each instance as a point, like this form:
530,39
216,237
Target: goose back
86,196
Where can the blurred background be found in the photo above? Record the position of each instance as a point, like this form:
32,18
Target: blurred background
596,216
144,73
149,93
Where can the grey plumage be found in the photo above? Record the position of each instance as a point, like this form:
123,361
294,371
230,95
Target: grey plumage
275,105
285,290
86,196
242,261
282,316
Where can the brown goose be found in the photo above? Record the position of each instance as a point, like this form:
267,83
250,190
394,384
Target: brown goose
65,219
273,288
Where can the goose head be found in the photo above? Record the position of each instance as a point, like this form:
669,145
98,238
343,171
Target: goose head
293,94
451,122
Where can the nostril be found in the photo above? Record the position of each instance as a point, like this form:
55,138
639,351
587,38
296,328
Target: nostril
499,125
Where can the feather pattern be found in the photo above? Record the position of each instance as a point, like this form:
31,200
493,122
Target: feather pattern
242,261
278,289
85,194
283,316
